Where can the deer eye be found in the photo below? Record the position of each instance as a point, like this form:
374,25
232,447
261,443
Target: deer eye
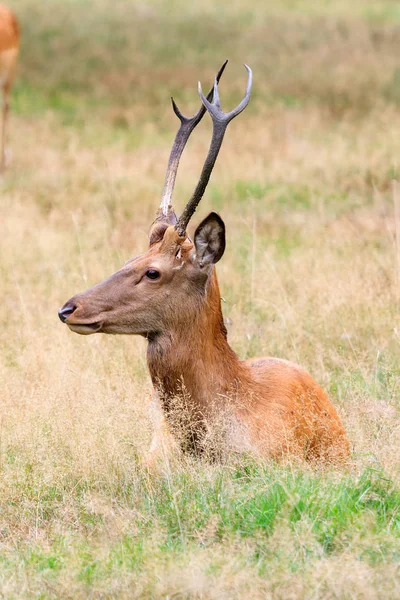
152,274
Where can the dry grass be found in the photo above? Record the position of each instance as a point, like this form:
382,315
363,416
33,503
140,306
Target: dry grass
305,184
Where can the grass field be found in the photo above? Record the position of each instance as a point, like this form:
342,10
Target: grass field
306,184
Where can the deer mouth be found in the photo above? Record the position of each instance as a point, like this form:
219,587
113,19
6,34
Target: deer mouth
85,328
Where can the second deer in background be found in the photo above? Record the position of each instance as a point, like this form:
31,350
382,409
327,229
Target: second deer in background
9,47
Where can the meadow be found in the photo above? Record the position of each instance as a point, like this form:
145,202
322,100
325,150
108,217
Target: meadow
307,184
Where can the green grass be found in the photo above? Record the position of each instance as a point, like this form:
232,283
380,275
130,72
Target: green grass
112,59
171,518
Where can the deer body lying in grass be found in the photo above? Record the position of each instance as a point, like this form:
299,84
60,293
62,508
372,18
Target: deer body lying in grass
170,295
9,45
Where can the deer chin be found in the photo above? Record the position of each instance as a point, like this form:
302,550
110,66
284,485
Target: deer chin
85,328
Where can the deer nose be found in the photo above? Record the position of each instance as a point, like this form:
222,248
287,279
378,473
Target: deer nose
66,311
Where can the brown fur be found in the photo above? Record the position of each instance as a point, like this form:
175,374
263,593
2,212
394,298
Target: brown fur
9,29
9,46
273,407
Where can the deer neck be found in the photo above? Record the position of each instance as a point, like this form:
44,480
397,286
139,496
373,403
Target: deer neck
195,360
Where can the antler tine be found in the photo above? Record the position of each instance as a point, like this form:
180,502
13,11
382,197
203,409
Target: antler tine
182,136
221,121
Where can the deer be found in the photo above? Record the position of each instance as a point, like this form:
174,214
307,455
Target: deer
9,48
170,295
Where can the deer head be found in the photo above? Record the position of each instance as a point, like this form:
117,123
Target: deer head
165,287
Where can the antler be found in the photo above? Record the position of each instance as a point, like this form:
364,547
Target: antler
220,123
182,136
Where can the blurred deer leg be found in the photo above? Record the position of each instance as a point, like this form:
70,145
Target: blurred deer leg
3,129
163,446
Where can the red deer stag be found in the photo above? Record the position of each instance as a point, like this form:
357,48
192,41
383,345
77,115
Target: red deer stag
170,295
9,45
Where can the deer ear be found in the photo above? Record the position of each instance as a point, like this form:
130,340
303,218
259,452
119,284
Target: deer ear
209,240
156,233
161,224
